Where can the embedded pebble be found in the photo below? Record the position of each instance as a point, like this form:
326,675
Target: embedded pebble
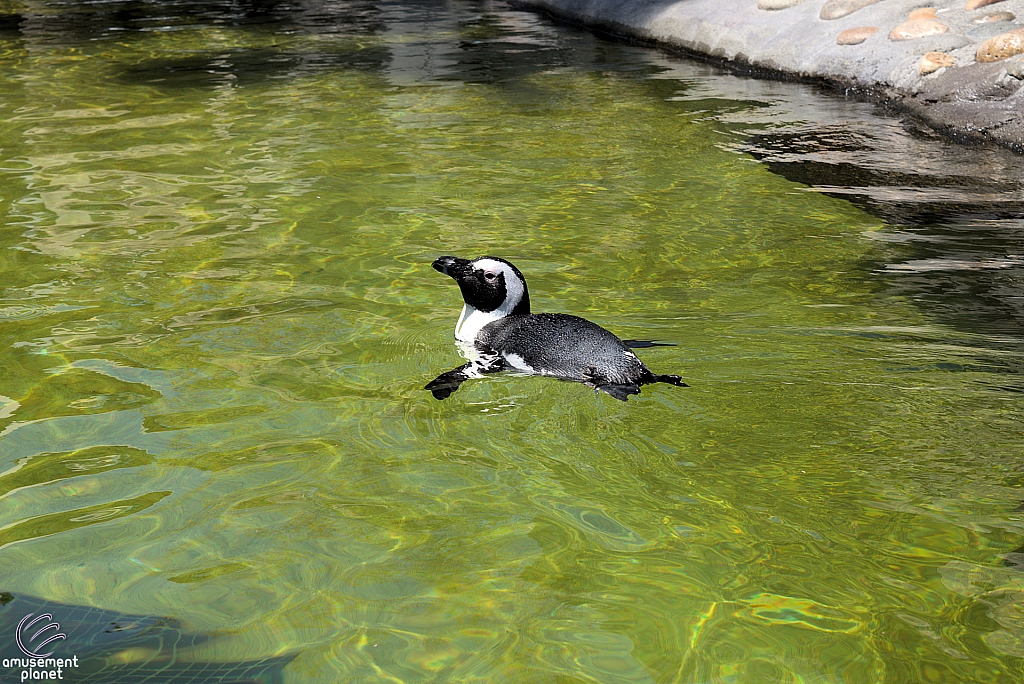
933,61
777,4
923,13
917,28
855,36
995,17
975,4
835,9
1001,47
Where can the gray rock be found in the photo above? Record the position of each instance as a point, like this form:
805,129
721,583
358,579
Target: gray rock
1015,67
986,31
836,9
944,42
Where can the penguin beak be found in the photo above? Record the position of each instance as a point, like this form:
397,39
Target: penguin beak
452,266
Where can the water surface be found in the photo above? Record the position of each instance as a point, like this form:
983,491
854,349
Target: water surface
218,314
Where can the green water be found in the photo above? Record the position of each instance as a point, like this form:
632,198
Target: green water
218,314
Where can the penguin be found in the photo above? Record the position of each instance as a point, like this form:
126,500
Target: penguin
497,332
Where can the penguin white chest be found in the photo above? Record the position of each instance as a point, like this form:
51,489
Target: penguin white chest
472,321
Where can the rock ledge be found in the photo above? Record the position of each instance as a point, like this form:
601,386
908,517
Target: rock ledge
972,94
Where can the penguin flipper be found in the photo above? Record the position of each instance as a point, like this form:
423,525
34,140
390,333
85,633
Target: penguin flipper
446,383
620,392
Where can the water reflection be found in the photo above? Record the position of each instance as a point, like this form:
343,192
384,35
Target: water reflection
62,23
956,214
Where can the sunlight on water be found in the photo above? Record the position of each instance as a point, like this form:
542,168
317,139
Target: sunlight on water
218,315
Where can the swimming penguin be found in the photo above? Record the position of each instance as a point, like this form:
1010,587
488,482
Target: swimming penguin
497,332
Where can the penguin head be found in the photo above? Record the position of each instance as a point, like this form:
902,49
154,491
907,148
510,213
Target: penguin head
489,285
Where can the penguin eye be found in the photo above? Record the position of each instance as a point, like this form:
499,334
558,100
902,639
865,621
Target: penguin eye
490,276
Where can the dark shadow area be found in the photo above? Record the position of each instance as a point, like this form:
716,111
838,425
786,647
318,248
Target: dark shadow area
157,647
494,50
891,182
496,61
10,25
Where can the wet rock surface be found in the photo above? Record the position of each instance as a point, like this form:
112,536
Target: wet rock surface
977,97
971,93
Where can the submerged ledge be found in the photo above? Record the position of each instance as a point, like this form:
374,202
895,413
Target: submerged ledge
959,70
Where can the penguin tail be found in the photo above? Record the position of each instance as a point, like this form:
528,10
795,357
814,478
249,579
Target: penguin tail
645,344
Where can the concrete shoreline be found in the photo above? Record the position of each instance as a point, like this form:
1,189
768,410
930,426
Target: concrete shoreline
958,70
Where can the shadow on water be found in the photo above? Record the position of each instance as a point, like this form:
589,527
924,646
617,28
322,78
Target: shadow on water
123,648
415,47
245,67
955,218
10,25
